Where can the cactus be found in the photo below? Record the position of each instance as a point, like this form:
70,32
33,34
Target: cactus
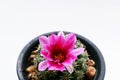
80,67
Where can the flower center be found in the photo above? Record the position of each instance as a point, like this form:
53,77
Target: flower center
60,57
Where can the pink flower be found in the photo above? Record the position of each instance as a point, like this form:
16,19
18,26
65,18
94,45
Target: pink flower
58,52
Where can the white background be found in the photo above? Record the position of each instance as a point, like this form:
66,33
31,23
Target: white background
22,20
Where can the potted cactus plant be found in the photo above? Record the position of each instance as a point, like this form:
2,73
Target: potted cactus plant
60,56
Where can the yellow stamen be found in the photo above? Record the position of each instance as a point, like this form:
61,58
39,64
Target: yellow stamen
60,57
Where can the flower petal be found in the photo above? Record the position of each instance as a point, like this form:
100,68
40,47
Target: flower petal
70,58
53,39
60,40
61,33
46,54
43,65
67,61
77,51
43,40
69,68
70,41
55,66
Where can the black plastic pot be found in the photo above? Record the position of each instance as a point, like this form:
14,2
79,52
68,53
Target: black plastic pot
91,48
